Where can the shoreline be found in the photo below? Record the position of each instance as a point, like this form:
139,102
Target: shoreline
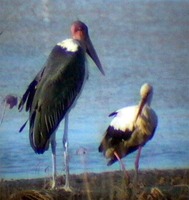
90,172
170,184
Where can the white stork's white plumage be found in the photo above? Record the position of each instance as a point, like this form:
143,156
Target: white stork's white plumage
130,129
54,91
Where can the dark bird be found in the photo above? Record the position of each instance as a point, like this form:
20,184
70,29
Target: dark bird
54,91
9,101
131,128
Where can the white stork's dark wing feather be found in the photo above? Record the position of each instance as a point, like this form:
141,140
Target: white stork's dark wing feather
113,137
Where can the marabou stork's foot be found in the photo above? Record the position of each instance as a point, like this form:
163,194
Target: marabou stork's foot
50,185
54,185
67,188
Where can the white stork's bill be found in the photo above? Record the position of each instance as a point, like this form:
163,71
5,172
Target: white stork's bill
131,128
54,91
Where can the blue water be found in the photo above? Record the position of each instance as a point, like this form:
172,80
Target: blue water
137,42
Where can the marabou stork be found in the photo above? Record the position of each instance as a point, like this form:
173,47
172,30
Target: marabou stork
54,91
131,128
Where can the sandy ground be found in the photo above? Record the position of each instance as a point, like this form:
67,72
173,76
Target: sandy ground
151,185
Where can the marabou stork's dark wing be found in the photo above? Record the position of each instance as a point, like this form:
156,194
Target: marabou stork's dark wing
55,95
27,97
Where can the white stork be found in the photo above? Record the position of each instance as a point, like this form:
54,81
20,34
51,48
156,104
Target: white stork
54,91
131,128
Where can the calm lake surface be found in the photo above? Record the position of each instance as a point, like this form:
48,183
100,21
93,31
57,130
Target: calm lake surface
137,41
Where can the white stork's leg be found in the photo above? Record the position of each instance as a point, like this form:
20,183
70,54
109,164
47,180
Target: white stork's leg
137,162
122,165
53,148
66,158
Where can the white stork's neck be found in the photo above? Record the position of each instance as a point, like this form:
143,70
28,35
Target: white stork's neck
149,99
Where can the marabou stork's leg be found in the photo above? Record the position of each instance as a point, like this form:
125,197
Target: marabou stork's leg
53,148
66,157
137,162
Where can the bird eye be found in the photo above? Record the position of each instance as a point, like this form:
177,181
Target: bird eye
79,29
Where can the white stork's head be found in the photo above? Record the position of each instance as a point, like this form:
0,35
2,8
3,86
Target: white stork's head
146,93
79,32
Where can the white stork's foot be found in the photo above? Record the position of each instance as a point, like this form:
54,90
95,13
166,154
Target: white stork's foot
136,178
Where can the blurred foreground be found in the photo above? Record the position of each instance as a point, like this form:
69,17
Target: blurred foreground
152,185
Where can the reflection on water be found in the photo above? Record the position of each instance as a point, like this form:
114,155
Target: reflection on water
136,41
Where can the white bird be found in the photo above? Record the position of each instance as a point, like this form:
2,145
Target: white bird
131,128
54,91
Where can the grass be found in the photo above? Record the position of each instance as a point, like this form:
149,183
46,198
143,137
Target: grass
151,185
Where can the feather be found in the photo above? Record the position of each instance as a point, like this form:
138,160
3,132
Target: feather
63,89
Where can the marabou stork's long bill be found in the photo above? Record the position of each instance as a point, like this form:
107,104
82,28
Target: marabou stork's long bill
130,129
54,91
